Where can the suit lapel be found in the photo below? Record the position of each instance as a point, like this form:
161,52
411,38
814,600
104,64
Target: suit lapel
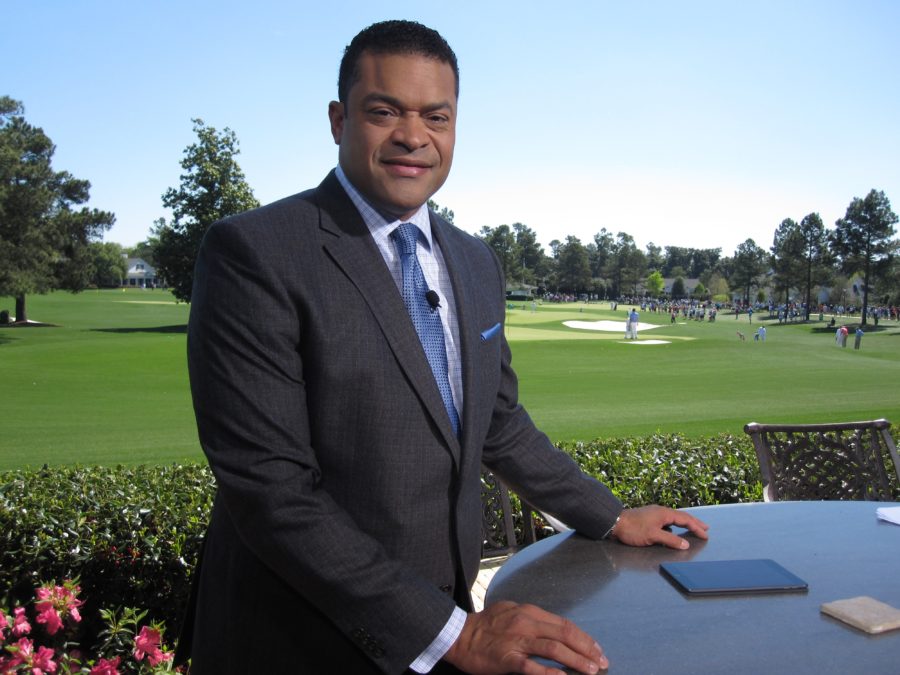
461,279
353,250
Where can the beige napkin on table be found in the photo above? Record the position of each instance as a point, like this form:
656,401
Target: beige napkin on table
864,613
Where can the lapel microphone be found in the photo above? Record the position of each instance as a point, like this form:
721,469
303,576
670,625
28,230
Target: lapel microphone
434,300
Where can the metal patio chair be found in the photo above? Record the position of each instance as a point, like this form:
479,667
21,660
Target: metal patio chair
843,461
499,531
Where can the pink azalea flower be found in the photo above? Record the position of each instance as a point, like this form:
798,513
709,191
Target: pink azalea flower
106,667
20,622
54,603
49,617
43,662
147,644
72,603
20,653
4,621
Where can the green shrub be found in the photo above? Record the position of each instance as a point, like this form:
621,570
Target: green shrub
129,535
673,470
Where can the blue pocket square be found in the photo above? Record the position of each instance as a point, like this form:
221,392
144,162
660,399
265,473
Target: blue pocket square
490,332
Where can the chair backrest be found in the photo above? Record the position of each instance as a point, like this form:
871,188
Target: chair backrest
499,519
843,461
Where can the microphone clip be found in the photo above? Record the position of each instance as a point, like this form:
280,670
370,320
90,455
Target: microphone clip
434,300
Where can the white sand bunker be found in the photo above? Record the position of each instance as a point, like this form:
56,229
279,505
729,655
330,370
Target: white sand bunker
616,327
610,326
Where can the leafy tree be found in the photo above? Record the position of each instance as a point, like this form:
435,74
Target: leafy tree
655,259
107,264
717,286
786,249
704,260
502,240
679,271
800,256
43,238
212,187
892,283
530,254
626,266
724,268
816,256
863,239
694,261
598,286
676,257
574,269
678,288
700,291
146,250
599,251
555,245
655,284
443,212
749,267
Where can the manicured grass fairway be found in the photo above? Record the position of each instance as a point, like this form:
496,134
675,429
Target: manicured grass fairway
109,384
704,382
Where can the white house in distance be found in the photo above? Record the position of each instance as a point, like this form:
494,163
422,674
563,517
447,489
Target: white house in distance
139,274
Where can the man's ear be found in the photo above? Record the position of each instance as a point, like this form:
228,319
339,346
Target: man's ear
336,116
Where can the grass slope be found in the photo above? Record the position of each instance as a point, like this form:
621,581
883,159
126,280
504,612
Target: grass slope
595,384
108,384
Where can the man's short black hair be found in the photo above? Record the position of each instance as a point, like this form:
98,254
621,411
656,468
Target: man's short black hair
393,37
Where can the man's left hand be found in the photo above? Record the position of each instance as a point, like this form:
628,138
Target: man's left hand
644,527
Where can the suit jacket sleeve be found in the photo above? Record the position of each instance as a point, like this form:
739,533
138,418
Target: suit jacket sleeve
528,462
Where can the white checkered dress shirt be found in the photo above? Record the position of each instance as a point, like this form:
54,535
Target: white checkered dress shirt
435,270
433,267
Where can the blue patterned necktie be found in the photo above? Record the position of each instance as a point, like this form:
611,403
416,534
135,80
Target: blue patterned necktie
426,319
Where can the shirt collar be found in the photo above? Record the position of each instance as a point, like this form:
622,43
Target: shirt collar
375,221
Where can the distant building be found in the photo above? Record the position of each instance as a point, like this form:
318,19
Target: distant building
140,274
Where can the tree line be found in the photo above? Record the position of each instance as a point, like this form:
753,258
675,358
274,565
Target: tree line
803,256
47,243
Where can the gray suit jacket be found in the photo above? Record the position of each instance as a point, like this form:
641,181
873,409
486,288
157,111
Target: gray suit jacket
348,517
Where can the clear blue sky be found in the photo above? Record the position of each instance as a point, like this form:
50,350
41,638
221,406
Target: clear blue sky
682,123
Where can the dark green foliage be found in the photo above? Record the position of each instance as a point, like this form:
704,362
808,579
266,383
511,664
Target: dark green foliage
44,237
863,240
212,187
673,470
130,535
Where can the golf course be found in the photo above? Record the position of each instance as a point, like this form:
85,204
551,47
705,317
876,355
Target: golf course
101,377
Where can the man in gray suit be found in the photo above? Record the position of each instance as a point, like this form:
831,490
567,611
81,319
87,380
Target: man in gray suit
345,534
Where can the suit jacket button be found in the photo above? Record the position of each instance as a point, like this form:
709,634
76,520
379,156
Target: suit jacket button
447,588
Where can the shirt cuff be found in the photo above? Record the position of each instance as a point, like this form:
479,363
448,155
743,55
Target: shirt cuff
442,643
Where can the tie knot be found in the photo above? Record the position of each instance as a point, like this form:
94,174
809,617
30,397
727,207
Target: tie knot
405,236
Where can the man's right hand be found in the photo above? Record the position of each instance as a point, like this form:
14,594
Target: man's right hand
503,637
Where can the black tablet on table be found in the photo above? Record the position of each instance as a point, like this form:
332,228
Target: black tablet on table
713,577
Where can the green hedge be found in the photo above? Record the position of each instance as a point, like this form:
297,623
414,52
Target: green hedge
131,535
673,470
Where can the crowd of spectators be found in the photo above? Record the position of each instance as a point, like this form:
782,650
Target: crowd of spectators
702,310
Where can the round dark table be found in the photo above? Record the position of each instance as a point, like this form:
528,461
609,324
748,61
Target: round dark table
646,626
